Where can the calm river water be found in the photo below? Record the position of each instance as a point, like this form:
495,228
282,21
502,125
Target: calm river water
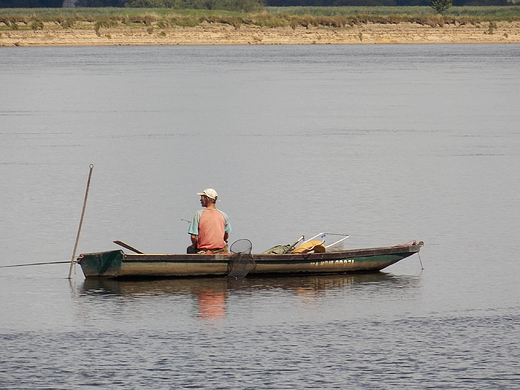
385,143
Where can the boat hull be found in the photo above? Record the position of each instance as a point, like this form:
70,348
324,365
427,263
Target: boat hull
117,264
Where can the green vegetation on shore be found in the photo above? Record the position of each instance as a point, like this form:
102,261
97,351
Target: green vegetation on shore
500,13
41,18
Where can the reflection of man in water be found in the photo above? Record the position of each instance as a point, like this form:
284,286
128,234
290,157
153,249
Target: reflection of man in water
212,304
209,229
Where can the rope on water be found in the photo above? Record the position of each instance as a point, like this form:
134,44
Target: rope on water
420,260
420,243
29,264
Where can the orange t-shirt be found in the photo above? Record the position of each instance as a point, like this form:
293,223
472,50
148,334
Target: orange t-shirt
210,226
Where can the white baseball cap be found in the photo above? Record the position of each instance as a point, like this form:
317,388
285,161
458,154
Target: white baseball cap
210,193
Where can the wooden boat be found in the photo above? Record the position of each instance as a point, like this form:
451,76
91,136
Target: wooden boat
117,264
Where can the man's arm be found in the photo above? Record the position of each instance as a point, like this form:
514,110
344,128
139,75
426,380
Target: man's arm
194,238
193,230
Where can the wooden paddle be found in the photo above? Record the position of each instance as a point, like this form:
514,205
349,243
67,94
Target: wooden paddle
129,247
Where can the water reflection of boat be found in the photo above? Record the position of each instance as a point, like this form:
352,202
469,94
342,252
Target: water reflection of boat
211,295
117,264
180,286
100,286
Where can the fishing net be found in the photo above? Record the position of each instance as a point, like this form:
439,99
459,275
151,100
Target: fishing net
243,246
242,261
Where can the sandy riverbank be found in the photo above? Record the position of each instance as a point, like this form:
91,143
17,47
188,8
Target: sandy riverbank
85,35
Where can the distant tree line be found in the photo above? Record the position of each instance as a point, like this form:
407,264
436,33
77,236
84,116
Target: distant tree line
229,5
234,5
100,3
336,3
59,3
31,3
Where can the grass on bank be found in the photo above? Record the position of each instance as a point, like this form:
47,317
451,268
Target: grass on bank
40,18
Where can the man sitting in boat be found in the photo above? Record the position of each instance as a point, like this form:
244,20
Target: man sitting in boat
209,229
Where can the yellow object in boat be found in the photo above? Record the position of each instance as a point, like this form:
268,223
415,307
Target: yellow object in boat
314,245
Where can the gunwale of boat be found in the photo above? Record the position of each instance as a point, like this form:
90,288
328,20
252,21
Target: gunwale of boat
291,257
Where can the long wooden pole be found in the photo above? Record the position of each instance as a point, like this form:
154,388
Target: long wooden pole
72,260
